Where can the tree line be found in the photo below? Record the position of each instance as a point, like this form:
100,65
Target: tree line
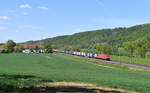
10,46
138,48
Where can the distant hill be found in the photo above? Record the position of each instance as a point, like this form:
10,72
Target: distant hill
112,37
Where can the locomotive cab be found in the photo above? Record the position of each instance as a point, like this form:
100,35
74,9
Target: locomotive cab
103,56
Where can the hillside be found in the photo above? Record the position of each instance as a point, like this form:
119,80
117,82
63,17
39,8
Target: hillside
113,37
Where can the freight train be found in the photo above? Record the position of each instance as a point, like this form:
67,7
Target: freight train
85,54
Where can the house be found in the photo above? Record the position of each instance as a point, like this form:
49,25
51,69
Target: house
32,48
41,48
1,47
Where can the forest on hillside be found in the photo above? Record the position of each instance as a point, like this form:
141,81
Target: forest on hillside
132,41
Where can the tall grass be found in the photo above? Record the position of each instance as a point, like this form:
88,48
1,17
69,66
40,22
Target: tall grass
136,60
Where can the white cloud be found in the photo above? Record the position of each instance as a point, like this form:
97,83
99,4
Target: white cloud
31,26
17,31
3,17
25,6
42,7
25,13
100,2
3,28
28,28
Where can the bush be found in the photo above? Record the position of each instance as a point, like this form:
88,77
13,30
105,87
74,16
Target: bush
4,51
48,49
147,55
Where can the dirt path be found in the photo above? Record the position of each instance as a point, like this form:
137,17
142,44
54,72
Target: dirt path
71,87
64,87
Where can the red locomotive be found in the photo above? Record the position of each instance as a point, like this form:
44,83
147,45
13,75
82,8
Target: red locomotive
103,56
56,50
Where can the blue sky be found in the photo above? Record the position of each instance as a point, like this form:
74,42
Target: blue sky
23,20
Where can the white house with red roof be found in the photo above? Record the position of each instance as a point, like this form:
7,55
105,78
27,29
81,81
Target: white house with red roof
32,48
1,47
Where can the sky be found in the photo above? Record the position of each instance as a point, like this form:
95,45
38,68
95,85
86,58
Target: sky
23,20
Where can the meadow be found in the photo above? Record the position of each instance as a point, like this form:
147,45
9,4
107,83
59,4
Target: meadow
134,60
32,69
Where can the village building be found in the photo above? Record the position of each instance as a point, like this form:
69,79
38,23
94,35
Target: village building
1,47
32,48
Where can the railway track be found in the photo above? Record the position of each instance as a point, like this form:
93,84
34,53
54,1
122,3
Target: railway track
132,65
144,67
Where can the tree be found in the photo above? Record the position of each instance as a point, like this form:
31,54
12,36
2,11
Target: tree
102,48
141,47
18,48
9,46
48,49
130,47
54,46
122,51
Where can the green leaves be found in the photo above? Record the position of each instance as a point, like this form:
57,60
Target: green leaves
102,48
9,46
18,48
48,49
138,47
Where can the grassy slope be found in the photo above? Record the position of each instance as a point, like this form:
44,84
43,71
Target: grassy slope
63,68
143,61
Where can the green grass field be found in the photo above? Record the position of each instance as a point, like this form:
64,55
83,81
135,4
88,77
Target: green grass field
136,60
35,68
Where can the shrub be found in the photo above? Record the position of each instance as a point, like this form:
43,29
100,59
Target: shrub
147,55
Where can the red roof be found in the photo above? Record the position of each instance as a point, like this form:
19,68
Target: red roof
40,46
31,46
1,46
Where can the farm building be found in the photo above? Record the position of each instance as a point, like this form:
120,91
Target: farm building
32,48
1,47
